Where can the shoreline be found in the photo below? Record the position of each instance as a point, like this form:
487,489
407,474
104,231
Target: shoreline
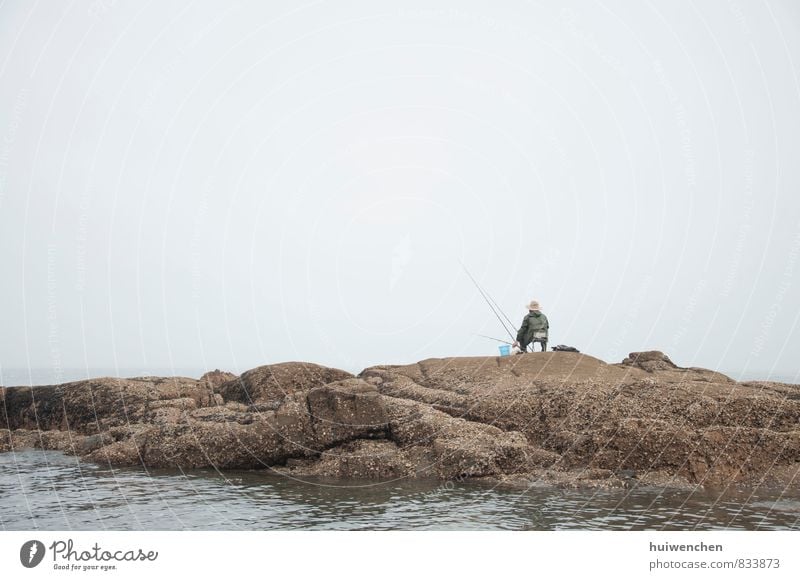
565,419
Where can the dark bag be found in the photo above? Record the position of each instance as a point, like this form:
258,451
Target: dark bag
565,348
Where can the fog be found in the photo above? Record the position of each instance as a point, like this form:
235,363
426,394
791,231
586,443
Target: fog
225,185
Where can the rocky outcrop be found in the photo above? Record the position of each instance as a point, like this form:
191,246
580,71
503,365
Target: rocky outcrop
646,416
96,405
344,410
650,361
556,418
268,385
217,378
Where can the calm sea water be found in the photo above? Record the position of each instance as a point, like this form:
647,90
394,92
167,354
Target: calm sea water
47,490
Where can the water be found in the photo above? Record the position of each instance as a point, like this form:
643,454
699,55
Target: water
47,490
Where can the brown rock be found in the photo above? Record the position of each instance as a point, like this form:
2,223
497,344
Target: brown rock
272,383
362,458
345,410
95,405
459,448
555,418
217,378
234,436
650,361
120,453
587,414
23,439
5,440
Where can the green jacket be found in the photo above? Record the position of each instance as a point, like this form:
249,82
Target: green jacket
534,322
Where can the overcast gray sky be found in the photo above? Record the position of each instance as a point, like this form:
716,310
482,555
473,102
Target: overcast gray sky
229,184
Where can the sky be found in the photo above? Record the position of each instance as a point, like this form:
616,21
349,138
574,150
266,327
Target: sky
231,184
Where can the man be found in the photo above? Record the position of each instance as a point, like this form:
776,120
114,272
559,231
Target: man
534,328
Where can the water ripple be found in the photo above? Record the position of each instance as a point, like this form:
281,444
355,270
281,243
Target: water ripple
47,490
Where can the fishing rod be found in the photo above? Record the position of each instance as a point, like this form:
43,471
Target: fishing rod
494,302
503,313
495,339
489,302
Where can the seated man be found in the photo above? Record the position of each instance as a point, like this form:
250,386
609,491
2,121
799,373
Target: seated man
534,328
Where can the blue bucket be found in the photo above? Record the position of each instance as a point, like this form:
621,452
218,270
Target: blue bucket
505,350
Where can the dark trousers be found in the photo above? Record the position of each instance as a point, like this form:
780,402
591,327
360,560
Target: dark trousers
524,346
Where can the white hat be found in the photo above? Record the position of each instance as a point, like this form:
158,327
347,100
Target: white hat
534,305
